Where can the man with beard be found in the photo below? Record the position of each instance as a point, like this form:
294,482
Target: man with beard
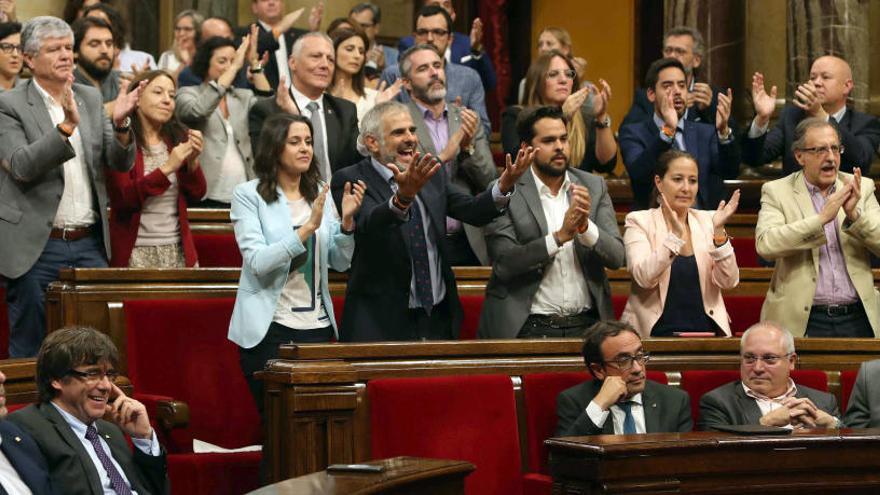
550,249
820,225
94,48
824,96
454,135
713,146
401,285
620,400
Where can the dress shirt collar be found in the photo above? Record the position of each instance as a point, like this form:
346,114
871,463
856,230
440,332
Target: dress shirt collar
302,100
78,427
47,98
428,114
791,392
635,399
658,121
543,190
265,26
838,116
382,170
814,190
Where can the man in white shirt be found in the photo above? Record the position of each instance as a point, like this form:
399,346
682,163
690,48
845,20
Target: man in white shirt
550,249
55,141
76,370
620,400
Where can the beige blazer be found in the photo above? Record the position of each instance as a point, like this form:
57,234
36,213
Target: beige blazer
789,231
649,260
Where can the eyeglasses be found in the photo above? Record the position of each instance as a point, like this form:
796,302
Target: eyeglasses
94,376
8,48
567,74
769,359
185,29
366,25
625,363
439,33
823,150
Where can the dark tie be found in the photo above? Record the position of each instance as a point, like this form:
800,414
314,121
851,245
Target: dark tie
629,422
116,481
418,252
318,138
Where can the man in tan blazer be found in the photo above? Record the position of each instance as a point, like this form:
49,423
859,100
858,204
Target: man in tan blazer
819,225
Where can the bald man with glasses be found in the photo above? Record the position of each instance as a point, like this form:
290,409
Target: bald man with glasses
620,399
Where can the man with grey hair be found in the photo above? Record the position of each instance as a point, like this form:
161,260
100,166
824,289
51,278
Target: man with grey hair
820,225
369,17
766,394
334,120
684,44
454,135
401,285
55,141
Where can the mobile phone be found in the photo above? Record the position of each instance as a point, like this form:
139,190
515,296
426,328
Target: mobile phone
355,468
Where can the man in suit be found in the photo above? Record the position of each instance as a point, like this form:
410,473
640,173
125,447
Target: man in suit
712,145
463,49
86,454
19,451
55,141
369,17
401,285
454,135
550,249
863,410
334,120
823,96
820,225
433,27
684,44
614,355
765,393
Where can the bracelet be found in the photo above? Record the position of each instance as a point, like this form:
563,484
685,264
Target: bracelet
64,130
604,123
668,131
719,241
256,69
126,125
399,203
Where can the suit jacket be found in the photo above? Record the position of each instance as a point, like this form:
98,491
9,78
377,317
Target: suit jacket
729,405
667,410
377,296
472,173
460,81
198,107
267,43
461,54
32,153
859,134
863,410
70,464
340,117
25,456
641,145
789,231
519,256
268,243
649,263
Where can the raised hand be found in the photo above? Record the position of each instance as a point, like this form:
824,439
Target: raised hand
722,115
128,414
835,202
242,52
601,96
126,102
701,95
417,174
283,99
352,198
178,156
764,102
574,101
477,35
68,104
388,92
253,56
514,170
377,56
314,222
725,210
315,16
851,205
613,389
673,223
807,99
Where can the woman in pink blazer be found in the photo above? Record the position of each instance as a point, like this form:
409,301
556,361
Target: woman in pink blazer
679,258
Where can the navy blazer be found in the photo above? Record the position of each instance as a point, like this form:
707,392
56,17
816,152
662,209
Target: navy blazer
641,145
461,54
859,134
266,43
25,456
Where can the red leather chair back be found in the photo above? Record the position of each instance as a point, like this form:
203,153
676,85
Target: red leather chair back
847,382
217,250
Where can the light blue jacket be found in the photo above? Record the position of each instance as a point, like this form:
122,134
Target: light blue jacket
268,243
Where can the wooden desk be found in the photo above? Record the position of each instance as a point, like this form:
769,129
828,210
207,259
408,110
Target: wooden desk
402,475
817,461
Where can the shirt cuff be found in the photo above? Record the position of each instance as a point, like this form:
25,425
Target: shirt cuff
673,243
722,251
755,131
501,200
149,446
552,247
726,140
596,414
591,236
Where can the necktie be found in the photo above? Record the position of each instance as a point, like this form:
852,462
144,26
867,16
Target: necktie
116,481
318,139
629,422
418,252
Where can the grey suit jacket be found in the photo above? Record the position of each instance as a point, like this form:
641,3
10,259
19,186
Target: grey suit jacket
863,410
729,405
70,466
473,173
519,255
667,410
198,107
32,153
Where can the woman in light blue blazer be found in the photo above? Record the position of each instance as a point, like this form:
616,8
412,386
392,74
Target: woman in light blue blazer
288,235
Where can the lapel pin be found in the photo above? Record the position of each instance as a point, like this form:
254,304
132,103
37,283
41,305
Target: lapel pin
107,437
18,439
653,404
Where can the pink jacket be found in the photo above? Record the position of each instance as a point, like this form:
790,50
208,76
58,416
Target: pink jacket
649,258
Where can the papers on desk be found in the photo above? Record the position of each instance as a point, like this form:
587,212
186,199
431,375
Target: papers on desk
202,447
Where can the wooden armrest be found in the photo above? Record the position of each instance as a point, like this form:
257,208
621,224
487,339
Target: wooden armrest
172,414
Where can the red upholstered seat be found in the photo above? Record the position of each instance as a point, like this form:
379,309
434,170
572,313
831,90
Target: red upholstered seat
744,311
338,303
4,321
471,418
217,250
811,378
619,303
178,349
847,382
746,253
472,305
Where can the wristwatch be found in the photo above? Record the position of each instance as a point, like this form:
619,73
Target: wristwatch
604,123
256,69
126,125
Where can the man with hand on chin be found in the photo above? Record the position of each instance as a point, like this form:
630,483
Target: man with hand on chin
401,285
620,400
76,369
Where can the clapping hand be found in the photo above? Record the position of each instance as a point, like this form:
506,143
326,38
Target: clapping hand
68,104
477,35
673,223
387,92
577,215
314,222
701,95
725,210
575,101
352,198
807,99
514,170
851,205
600,99
764,103
283,99
722,115
417,174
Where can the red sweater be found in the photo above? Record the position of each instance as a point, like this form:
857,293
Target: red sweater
129,190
